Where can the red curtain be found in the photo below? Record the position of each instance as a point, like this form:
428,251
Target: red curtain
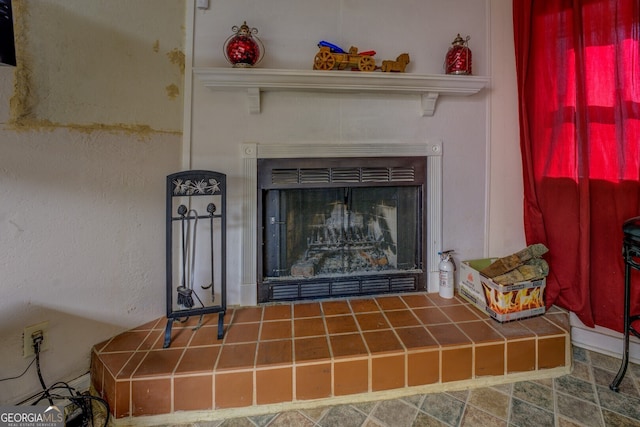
578,70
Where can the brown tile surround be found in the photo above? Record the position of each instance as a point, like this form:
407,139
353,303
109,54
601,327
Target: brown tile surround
283,353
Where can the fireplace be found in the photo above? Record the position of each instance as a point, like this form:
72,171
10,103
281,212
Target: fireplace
333,227
331,220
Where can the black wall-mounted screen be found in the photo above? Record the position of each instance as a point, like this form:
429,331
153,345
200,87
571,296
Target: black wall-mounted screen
7,41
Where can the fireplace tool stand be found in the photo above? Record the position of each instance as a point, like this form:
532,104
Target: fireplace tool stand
195,248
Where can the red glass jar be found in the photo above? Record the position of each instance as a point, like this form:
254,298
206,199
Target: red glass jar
243,48
458,60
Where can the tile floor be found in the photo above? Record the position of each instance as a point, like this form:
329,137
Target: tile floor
310,351
581,398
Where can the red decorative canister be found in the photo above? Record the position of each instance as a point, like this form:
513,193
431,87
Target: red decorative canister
243,48
458,60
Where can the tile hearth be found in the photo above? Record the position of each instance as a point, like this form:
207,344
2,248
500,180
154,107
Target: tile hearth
317,352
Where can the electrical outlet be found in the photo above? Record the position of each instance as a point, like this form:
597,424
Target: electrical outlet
28,336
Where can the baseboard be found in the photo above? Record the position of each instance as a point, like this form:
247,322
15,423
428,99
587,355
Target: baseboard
602,340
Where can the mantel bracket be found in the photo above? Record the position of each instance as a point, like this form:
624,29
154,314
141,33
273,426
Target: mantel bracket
253,98
429,103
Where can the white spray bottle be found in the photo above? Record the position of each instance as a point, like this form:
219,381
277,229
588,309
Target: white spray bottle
446,270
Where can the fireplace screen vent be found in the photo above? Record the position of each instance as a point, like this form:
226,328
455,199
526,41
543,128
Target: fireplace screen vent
342,175
362,286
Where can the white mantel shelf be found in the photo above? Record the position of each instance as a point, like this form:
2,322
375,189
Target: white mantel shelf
256,80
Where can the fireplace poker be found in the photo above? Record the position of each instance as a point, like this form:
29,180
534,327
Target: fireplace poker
211,208
192,232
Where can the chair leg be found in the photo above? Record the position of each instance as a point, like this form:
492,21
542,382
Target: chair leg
627,326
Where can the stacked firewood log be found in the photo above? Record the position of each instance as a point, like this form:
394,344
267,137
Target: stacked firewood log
526,264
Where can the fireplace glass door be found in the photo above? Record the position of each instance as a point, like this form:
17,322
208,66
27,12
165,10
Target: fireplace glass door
340,227
320,233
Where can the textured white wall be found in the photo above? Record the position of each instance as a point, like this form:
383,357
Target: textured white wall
82,177
103,62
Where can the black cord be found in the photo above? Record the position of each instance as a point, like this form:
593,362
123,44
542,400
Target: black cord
45,394
36,348
83,401
23,372
62,384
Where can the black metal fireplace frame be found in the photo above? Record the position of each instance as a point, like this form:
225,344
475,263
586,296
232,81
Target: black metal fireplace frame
308,173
